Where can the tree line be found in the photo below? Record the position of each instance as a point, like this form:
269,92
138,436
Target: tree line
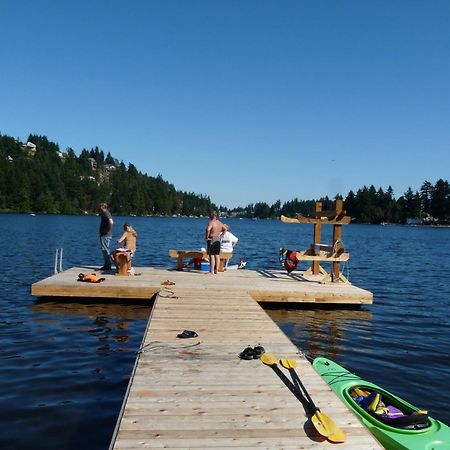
430,204
38,177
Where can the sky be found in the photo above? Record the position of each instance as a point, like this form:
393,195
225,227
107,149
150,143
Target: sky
244,101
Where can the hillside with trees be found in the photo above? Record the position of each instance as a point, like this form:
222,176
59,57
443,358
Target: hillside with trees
37,176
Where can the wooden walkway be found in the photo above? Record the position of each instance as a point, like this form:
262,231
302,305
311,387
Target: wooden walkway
197,393
262,286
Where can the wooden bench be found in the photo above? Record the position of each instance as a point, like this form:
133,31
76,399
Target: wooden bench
124,261
182,254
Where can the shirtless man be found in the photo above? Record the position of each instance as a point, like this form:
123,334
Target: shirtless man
212,236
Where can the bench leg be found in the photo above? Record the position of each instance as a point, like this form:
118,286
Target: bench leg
330,278
124,264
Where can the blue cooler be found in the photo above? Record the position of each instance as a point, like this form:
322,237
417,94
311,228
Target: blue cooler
205,266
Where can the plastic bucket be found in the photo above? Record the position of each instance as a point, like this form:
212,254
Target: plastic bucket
204,267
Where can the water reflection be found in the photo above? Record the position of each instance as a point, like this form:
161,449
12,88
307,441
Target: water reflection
104,321
81,307
323,331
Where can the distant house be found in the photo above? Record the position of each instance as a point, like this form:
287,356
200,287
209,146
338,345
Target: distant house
429,220
413,221
90,178
29,147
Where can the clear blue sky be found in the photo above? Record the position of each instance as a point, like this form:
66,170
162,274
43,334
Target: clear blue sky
245,101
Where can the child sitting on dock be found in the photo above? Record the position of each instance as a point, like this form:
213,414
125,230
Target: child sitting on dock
197,262
128,237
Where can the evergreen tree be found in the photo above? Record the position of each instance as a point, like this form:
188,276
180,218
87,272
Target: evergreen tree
440,201
426,194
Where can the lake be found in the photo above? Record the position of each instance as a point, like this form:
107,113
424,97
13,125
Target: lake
66,364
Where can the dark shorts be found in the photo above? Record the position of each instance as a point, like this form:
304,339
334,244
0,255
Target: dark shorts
214,246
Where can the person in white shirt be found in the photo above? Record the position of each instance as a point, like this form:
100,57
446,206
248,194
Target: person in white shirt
227,242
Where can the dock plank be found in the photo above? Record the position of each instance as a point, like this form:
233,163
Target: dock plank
196,393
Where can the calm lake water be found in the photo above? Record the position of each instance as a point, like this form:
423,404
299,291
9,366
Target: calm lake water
65,365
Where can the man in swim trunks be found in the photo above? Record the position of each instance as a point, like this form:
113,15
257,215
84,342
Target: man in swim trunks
212,236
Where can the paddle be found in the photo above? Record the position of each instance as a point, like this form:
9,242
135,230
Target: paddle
323,424
270,360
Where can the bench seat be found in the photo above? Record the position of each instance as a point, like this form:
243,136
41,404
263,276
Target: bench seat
190,254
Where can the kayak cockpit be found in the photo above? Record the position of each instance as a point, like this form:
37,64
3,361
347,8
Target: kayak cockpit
381,407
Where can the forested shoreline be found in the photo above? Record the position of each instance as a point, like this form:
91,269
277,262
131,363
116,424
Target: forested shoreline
428,205
37,177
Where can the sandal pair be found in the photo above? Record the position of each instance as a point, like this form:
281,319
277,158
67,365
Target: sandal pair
187,334
252,352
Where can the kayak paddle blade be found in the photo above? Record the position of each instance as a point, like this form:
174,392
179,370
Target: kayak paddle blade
326,427
337,437
268,359
288,363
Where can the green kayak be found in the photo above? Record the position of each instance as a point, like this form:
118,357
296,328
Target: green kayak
396,424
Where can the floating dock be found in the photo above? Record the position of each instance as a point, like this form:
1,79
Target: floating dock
261,285
197,394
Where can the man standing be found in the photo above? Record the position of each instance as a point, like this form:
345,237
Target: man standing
106,224
212,236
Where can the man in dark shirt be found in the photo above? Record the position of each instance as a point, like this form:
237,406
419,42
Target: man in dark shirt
106,223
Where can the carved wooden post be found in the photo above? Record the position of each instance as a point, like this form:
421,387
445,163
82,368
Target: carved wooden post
124,261
337,236
317,237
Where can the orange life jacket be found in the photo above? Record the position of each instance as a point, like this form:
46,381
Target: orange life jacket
90,278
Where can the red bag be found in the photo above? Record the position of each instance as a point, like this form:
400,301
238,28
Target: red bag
291,261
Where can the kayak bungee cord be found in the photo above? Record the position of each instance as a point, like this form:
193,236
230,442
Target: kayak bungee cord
339,376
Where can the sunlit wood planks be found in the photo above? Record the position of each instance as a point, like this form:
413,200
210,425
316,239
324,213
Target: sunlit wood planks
262,285
197,393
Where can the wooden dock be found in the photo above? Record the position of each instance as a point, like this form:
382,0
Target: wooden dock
197,394
262,286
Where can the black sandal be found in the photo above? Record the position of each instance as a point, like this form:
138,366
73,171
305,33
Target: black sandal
187,334
258,351
248,353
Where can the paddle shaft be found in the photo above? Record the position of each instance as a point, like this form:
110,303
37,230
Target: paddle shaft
297,380
288,383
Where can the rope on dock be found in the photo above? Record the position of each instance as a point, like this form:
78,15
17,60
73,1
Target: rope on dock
153,345
166,291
